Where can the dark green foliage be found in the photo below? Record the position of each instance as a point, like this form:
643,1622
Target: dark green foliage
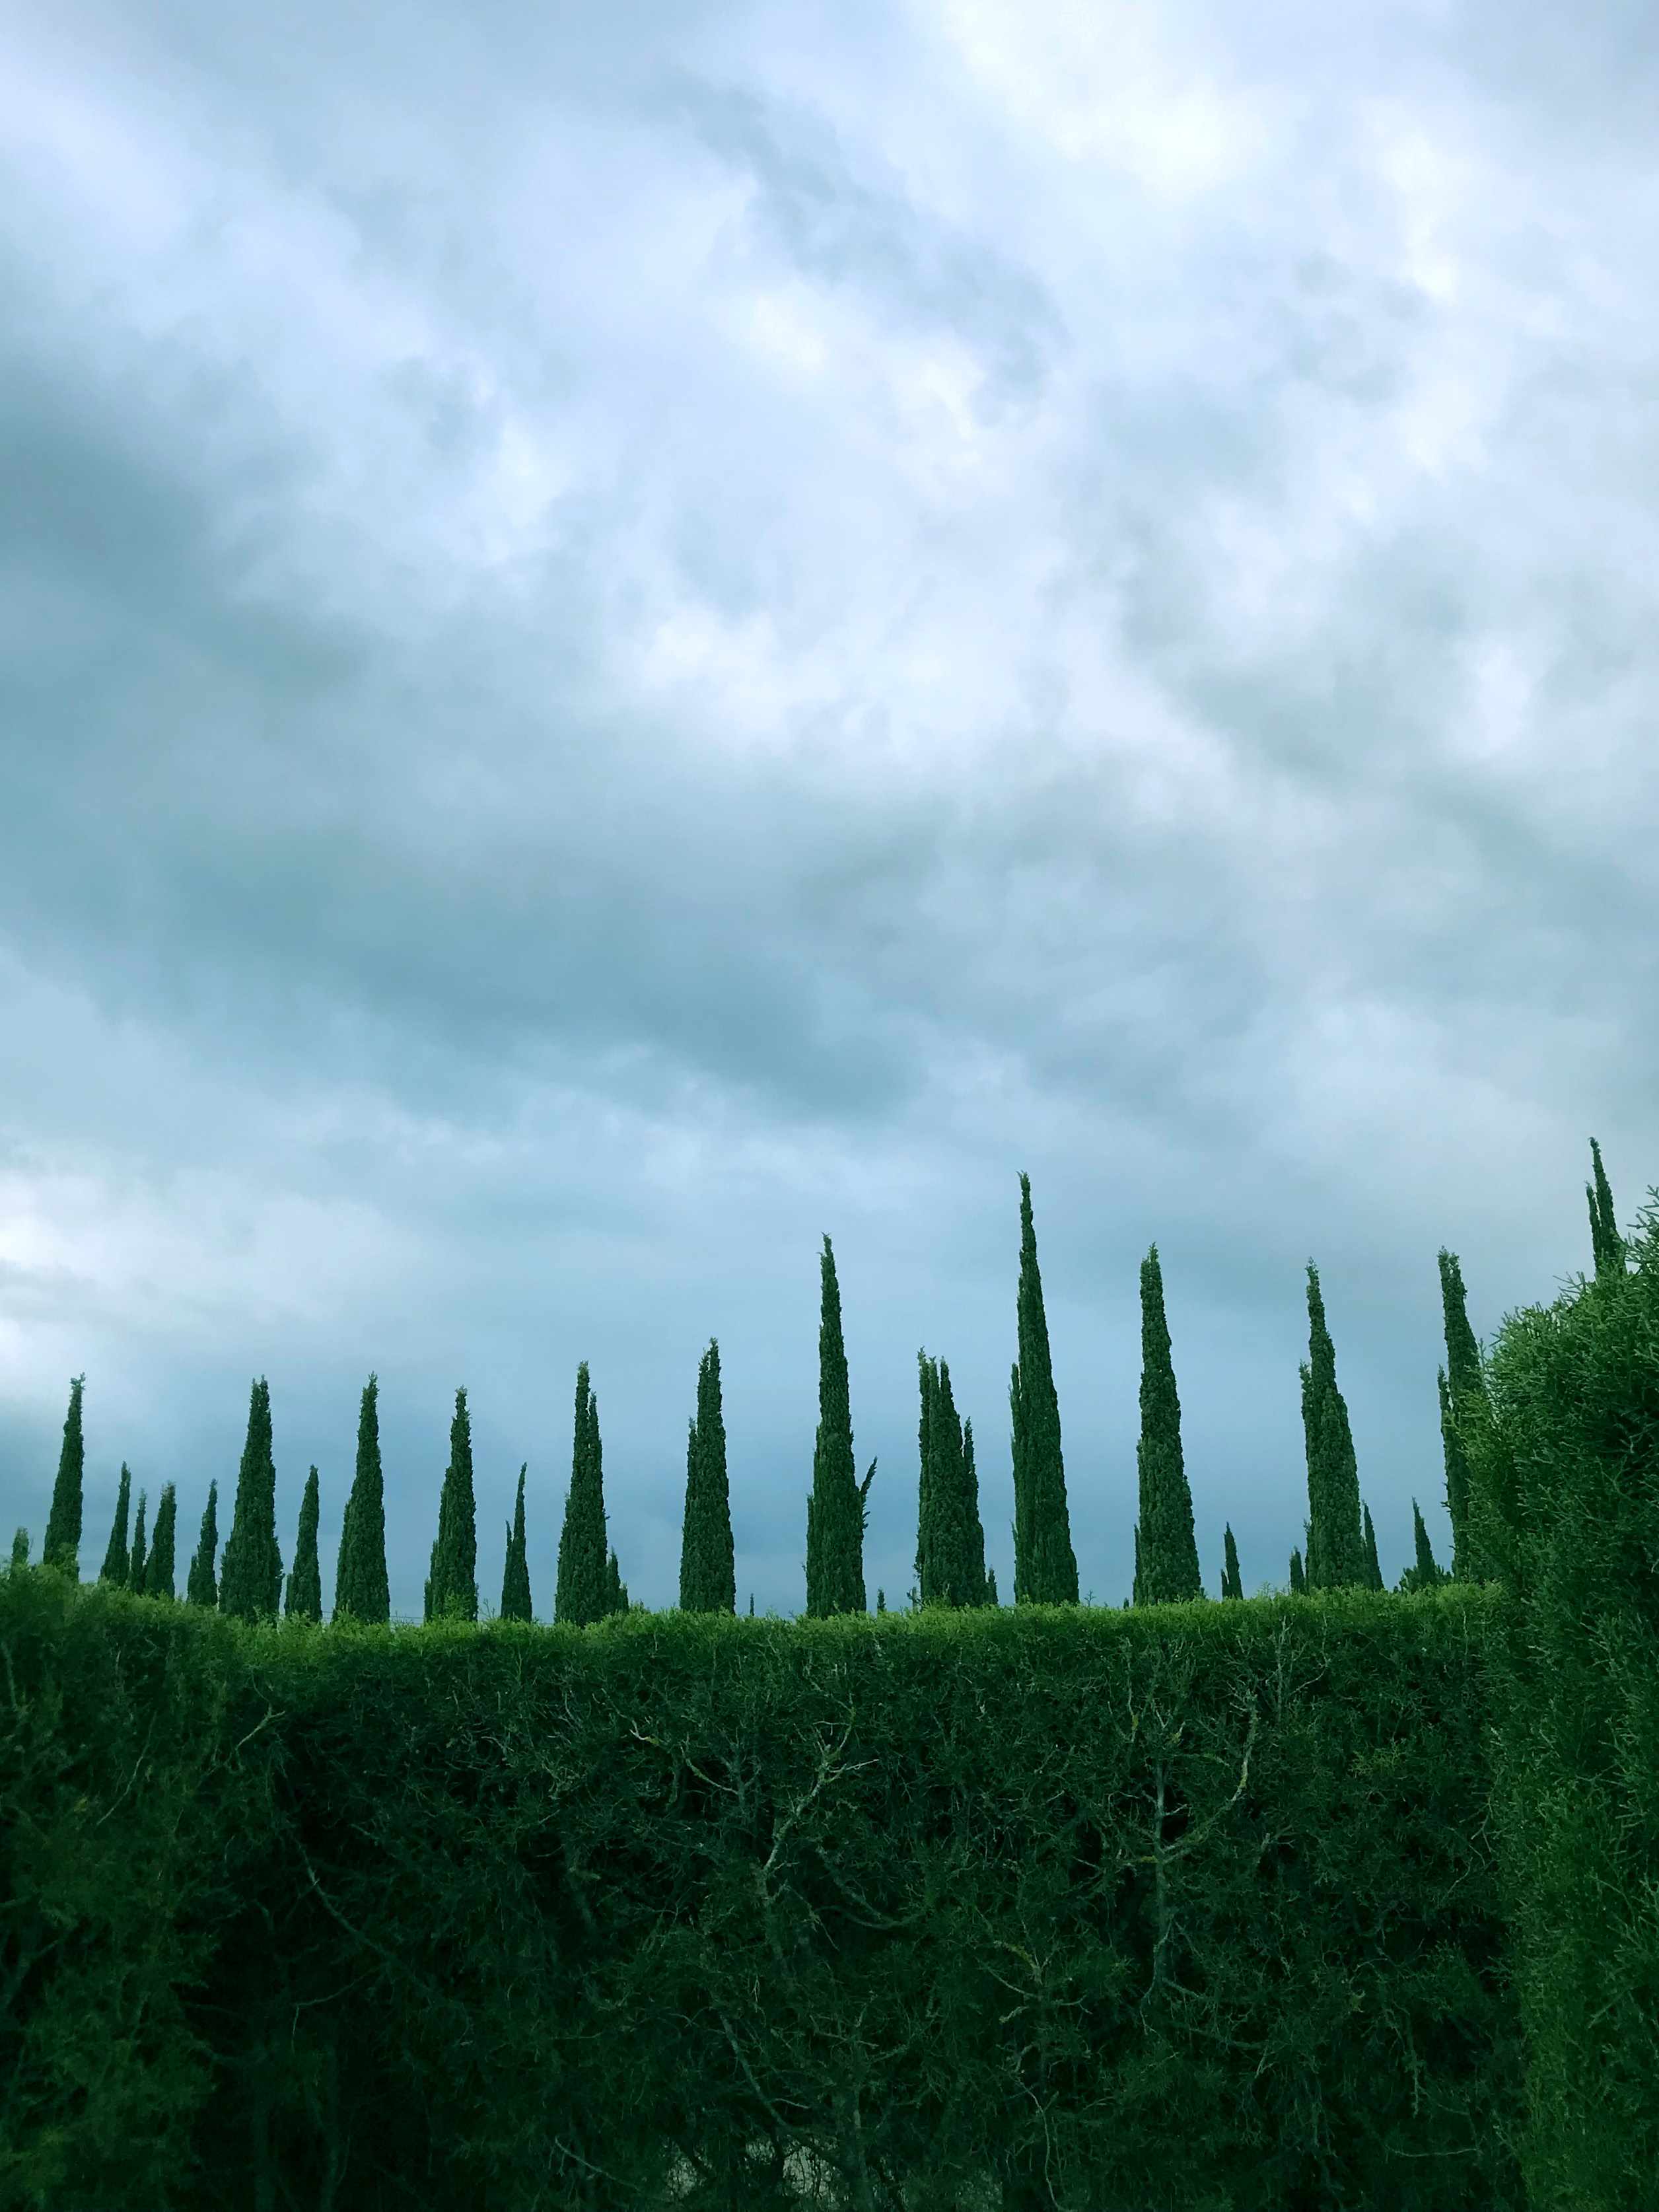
583,1593
1298,1580
431,1569
709,1581
361,1589
881,1600
251,1585
1424,1574
1167,1566
836,1516
159,1571
951,1539
1336,1553
1135,1587
1045,1564
63,1544
1605,1242
615,1589
140,1558
200,1586
455,1557
117,1556
19,1548
1373,1567
991,1598
516,1574
1461,1382
305,1583
1231,1585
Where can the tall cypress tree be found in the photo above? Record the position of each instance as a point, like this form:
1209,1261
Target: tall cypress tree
926,1460
1045,1564
1169,1572
1336,1540
140,1560
117,1558
582,1594
1423,1574
515,1574
251,1586
159,1572
455,1562
835,1515
201,1587
361,1589
305,1582
1461,1382
1231,1586
1605,1242
1373,1570
62,1546
708,1582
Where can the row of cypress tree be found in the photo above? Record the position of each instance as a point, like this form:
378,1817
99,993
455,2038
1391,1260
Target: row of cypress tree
949,1567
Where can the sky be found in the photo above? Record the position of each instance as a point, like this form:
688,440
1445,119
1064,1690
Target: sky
632,637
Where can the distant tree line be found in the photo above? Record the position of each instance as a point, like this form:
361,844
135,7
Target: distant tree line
1338,1548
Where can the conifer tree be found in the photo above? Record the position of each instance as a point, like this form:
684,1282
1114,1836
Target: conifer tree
926,1458
1168,1569
708,1582
361,1589
515,1574
19,1548
159,1571
1461,1383
881,1600
979,1579
950,1540
140,1560
305,1582
251,1586
1373,1570
431,1576
1231,1585
1298,1580
117,1558
1135,1587
836,1516
1605,1242
200,1586
1336,1540
1423,1574
582,1594
455,1558
616,1589
62,1548
1045,1564
991,1598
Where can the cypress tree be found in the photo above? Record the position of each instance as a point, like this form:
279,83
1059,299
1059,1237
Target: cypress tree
1373,1570
926,1533
1045,1564
117,1559
881,1600
62,1546
836,1518
1231,1585
361,1589
615,1589
1461,1382
978,1580
1298,1580
305,1582
1135,1587
1605,1242
515,1574
950,1540
991,1598
200,1586
251,1586
708,1582
582,1593
19,1548
1424,1574
159,1572
455,1560
431,1576
1336,1540
140,1558
1169,1571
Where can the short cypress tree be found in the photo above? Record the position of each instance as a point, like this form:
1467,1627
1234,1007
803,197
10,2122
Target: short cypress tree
616,1589
1135,1587
1231,1585
1336,1539
582,1593
835,1515
1168,1566
160,1571
881,1600
951,1539
62,1546
200,1586
1611,1258
515,1574
19,1548
251,1586
991,1598
1298,1580
305,1583
1045,1564
1373,1570
1462,1386
709,1581
140,1558
979,1579
361,1589
1424,1573
117,1556
455,1560
927,1462
431,1576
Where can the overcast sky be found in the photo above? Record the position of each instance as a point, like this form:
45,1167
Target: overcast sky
631,636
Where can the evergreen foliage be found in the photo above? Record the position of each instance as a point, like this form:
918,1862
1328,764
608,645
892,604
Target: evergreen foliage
304,1597
991,1598
615,1589
1167,1569
881,1600
836,1513
951,1539
1045,1564
251,1585
1423,1574
454,1575
1134,1588
117,1556
708,1582
515,1574
19,1548
1373,1567
160,1569
200,1586
140,1560
62,1548
1231,1585
583,1593
362,1590
1461,1383
1298,1580
1607,1243
1336,1557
